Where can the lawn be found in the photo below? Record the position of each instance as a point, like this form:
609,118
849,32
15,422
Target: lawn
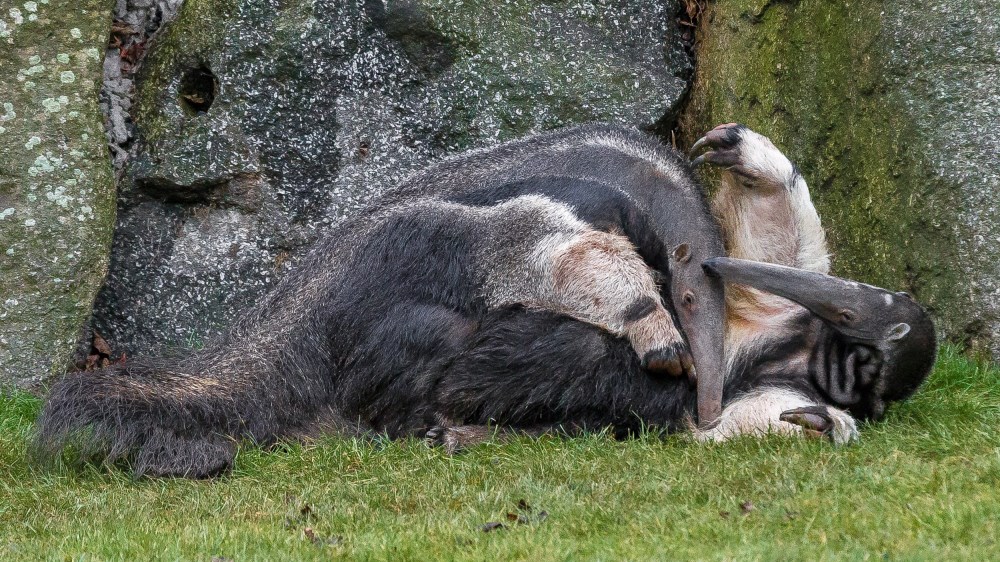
923,484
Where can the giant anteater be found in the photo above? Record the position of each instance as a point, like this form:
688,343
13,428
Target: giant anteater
531,286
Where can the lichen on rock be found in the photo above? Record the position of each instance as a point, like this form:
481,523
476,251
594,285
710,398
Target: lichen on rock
56,189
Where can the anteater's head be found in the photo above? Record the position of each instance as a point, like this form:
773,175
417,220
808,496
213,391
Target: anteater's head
882,343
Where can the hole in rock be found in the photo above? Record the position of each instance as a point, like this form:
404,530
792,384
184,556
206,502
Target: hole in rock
198,88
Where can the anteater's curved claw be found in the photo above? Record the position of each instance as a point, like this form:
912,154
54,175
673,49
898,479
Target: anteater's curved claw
723,136
722,157
823,421
698,144
814,420
674,360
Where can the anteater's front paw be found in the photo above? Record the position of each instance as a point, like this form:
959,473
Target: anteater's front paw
723,145
674,360
750,156
823,421
660,345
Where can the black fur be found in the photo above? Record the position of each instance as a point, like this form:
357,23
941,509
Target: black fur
639,309
530,368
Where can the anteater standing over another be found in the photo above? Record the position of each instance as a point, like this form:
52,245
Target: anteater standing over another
533,286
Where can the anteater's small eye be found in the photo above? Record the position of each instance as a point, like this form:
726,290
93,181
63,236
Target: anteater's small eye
688,298
847,316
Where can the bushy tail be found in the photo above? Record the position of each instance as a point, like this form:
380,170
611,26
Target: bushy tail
161,421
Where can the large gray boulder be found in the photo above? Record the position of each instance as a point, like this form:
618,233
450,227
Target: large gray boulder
260,123
57,198
892,111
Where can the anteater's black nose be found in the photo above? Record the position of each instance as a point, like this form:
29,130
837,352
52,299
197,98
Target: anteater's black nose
711,266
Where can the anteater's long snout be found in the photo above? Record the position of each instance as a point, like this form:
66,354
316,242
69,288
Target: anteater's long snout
856,310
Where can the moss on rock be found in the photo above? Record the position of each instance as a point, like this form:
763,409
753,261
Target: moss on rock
56,188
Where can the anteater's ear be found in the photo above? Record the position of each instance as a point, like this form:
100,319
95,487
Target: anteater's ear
891,323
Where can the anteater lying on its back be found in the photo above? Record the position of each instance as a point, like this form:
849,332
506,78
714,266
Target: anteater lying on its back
534,285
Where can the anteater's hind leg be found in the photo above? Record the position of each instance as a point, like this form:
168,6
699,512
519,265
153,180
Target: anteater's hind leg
599,277
455,438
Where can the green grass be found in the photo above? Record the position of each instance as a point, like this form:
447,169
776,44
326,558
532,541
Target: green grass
924,484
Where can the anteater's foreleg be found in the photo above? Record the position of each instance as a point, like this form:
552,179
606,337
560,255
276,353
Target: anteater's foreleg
563,265
781,410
